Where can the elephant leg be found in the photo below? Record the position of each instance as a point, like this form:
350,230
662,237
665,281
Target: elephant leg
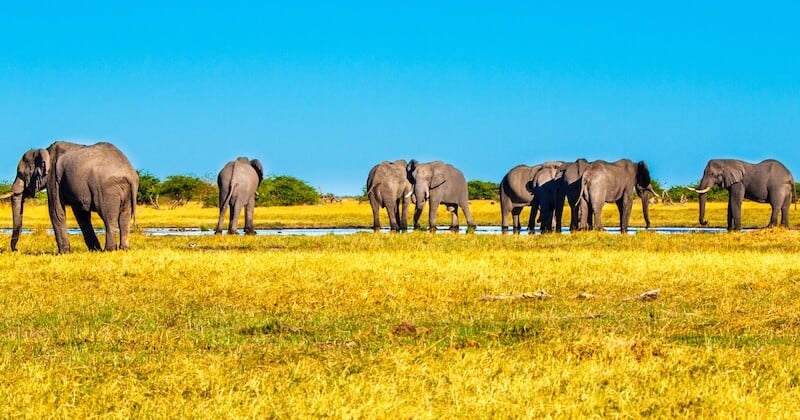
233,225
58,218
249,214
453,218
624,205
735,199
84,219
515,223
376,209
467,215
111,223
221,221
403,222
532,219
391,211
787,201
432,207
125,226
417,214
597,213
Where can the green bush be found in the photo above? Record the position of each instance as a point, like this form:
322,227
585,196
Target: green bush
285,190
483,190
149,186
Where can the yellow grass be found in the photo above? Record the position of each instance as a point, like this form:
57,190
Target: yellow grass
380,325
351,213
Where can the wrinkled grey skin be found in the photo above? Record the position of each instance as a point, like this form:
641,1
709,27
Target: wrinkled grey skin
388,187
238,181
537,186
516,192
615,182
571,182
95,178
439,183
766,182
548,197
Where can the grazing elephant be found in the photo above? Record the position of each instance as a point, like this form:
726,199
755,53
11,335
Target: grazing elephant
238,181
439,183
87,178
571,181
765,182
388,187
605,182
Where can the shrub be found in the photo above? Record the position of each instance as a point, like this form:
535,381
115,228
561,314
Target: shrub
483,190
285,190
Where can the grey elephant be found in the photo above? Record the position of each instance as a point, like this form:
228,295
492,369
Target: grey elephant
439,183
388,186
238,181
535,186
571,182
87,178
765,182
615,182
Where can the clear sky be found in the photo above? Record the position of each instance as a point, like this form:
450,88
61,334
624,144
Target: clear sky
323,91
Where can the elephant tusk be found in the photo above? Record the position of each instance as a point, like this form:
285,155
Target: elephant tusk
409,194
703,191
6,195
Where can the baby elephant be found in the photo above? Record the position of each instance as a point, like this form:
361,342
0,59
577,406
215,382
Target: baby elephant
238,182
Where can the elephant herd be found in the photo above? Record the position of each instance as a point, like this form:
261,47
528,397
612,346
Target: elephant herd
99,178
585,186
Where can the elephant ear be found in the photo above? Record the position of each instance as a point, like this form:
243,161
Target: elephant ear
410,168
256,164
438,178
42,167
642,175
732,174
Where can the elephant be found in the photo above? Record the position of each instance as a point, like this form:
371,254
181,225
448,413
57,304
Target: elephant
388,186
87,178
615,182
765,182
536,186
238,181
439,183
571,180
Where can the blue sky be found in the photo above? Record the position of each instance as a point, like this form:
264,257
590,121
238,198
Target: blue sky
323,91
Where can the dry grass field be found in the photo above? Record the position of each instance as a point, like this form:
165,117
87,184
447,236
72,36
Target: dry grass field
380,325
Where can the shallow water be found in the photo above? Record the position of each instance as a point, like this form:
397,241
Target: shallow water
481,230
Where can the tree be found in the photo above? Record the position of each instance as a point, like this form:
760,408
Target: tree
148,188
183,188
283,190
483,190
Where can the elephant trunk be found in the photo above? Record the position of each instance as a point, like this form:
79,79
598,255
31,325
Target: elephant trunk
705,185
702,218
17,202
646,208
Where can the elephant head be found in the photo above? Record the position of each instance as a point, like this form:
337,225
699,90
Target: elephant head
33,172
644,188
256,164
717,172
424,177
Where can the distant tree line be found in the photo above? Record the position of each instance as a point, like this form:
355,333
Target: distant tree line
175,190
283,190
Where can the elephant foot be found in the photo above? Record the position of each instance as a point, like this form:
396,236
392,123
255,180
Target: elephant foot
471,229
454,229
217,232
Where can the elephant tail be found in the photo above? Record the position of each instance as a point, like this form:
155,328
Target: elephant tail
374,190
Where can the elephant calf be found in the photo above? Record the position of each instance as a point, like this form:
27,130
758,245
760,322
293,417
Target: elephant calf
238,182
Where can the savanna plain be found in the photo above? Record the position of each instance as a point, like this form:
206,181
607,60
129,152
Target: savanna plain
403,325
